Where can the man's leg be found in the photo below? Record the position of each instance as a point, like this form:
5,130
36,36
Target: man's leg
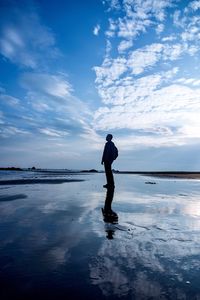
109,174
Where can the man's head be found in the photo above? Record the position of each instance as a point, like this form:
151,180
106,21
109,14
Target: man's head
109,137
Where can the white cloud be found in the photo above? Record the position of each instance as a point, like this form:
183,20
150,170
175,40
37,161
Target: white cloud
1,118
195,5
56,110
132,23
12,47
96,29
169,38
91,136
190,131
196,82
147,8
139,15
159,28
108,48
189,24
140,91
25,41
189,81
112,28
13,101
127,90
191,33
130,29
137,62
53,85
53,132
113,4
124,45
172,52
170,106
137,142
192,49
110,70
148,107
148,56
41,107
144,58
178,21
8,131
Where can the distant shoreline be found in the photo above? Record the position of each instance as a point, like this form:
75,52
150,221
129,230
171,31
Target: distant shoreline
162,174
11,169
166,174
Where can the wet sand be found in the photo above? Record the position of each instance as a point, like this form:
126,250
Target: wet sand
37,181
181,175
58,242
166,174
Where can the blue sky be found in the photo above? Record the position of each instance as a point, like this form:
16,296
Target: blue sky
73,71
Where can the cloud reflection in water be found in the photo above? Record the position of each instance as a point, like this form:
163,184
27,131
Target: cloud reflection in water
155,250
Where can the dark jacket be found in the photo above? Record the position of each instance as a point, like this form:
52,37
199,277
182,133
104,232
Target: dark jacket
109,152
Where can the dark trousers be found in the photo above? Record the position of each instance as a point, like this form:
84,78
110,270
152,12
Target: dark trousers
109,174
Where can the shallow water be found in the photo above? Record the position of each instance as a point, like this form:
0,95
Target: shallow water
56,243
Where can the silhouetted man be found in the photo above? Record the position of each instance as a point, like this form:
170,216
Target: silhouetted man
110,153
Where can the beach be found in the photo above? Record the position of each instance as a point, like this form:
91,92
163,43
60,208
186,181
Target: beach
56,243
165,174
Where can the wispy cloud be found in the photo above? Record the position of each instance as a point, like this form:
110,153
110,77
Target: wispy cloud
137,61
152,110
53,85
10,100
140,87
124,45
1,118
8,131
51,96
138,16
112,28
24,40
189,81
110,70
129,89
112,4
194,5
53,132
188,21
148,82
159,28
48,106
141,59
96,29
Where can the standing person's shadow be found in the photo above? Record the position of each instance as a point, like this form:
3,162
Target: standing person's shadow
109,216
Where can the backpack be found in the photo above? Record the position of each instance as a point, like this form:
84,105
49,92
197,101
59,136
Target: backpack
115,153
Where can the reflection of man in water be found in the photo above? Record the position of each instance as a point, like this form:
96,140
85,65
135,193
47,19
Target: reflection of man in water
110,153
109,216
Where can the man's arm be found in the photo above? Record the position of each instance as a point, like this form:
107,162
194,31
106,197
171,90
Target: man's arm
103,156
